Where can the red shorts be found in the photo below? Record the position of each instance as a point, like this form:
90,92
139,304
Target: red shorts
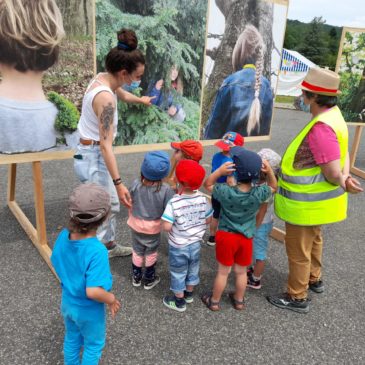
233,248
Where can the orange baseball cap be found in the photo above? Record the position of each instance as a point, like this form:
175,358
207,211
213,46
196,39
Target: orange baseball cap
192,149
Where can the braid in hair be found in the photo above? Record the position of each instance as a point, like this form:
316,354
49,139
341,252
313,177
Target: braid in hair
255,111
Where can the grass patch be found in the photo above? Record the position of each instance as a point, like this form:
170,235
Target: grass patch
283,99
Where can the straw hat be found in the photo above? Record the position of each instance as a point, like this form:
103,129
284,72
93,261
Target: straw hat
321,81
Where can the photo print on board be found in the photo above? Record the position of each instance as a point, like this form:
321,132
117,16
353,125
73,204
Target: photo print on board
171,35
351,68
244,44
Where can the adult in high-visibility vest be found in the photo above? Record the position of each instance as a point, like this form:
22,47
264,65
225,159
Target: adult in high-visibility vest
312,187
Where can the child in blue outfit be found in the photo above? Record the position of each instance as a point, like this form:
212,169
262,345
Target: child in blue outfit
237,222
81,262
149,196
264,223
185,218
229,140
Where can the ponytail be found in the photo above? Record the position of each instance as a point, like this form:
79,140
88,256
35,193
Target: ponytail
255,111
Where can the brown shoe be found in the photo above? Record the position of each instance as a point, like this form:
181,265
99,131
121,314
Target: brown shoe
237,304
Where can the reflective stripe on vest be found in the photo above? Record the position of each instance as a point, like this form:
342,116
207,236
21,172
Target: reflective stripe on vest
303,180
303,197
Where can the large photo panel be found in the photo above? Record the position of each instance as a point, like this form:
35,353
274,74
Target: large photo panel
59,52
351,68
171,34
244,44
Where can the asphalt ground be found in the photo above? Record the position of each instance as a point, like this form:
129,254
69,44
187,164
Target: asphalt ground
146,332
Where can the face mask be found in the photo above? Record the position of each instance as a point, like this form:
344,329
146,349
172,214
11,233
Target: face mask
134,85
304,107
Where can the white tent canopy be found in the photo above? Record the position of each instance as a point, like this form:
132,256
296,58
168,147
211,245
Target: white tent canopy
293,69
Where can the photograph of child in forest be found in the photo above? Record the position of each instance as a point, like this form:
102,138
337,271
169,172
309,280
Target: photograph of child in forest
171,35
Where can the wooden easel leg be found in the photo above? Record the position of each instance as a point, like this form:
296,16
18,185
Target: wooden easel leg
278,234
11,182
39,203
37,235
355,145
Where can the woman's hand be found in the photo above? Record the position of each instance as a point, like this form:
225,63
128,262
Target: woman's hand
114,307
124,196
147,100
353,185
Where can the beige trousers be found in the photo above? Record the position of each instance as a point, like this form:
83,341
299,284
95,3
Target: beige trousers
304,250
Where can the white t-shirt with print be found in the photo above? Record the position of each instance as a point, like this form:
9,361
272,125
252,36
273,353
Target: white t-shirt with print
188,214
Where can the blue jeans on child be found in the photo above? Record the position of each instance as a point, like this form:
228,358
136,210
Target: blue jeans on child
261,241
84,326
184,266
90,167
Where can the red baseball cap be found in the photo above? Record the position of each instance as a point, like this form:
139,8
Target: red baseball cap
192,149
230,139
190,173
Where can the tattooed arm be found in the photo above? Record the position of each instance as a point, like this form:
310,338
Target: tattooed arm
104,107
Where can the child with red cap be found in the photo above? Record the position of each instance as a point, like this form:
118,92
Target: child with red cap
229,140
189,150
237,222
185,218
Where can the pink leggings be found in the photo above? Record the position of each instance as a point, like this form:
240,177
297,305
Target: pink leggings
149,259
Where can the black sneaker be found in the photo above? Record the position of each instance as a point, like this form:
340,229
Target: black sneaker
188,296
252,283
136,281
172,303
151,283
286,302
317,287
250,271
211,241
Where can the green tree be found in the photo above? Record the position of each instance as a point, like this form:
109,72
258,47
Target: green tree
314,47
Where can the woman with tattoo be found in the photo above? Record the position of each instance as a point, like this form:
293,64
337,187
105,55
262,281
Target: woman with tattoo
94,160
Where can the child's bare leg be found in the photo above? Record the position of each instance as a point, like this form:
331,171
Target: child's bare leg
220,282
258,268
241,281
189,288
213,227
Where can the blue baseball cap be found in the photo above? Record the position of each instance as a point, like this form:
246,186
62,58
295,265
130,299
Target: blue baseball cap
155,165
248,164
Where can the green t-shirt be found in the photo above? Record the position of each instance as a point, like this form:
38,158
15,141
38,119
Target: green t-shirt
239,209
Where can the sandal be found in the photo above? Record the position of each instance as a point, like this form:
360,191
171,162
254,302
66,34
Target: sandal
237,304
207,300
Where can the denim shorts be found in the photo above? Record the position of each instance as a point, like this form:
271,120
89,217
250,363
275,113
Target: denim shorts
261,241
90,167
184,266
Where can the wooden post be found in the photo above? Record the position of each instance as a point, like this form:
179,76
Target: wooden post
355,147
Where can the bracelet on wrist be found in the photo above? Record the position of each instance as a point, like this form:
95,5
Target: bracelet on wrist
117,181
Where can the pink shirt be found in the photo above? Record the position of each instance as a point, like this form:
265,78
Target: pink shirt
143,225
319,147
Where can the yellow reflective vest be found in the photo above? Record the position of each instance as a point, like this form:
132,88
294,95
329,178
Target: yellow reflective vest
305,197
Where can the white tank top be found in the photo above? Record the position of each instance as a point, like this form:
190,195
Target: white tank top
88,125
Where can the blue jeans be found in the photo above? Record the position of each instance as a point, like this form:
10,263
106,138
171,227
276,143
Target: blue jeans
261,241
184,266
84,326
90,167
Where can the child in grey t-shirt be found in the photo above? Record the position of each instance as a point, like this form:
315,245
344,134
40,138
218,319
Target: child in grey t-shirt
149,197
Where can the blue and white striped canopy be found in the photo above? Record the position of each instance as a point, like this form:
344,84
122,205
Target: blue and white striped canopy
289,62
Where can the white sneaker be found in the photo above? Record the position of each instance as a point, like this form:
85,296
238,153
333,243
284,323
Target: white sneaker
119,251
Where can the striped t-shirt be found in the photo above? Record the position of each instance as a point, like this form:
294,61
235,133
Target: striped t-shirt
188,214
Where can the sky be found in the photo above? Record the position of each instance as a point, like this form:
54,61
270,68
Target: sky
349,13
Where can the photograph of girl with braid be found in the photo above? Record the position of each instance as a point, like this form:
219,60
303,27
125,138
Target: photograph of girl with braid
242,63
